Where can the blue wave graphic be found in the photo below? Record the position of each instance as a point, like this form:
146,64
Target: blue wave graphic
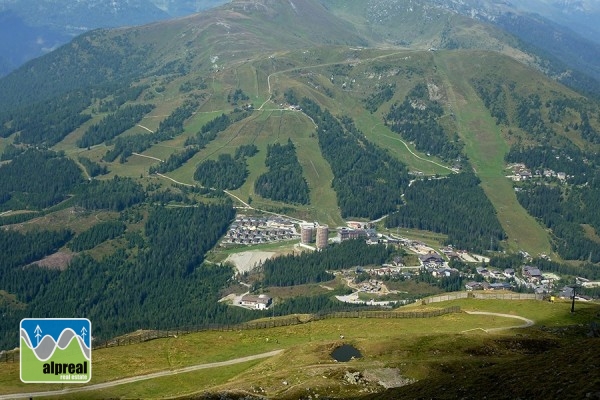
47,346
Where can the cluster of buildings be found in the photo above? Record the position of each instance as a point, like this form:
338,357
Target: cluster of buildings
521,173
371,286
528,277
255,230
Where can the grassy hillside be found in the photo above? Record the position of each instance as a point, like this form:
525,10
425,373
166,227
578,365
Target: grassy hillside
342,80
425,350
486,147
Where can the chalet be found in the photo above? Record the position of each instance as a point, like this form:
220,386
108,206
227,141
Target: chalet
260,302
431,258
532,273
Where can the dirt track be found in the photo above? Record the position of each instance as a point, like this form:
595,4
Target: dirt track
105,385
528,322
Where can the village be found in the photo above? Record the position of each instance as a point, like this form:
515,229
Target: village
369,283
520,173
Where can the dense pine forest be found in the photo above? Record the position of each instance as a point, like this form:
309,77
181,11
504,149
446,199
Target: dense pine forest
417,120
456,206
226,172
37,179
312,267
367,180
284,180
97,234
567,207
563,212
167,285
115,194
93,168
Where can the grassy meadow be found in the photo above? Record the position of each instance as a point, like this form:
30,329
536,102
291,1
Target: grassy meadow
412,346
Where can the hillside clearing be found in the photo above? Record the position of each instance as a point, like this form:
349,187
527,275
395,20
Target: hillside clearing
486,148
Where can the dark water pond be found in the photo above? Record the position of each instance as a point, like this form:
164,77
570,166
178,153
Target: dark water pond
345,353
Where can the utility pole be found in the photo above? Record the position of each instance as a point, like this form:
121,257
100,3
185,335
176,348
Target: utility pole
574,287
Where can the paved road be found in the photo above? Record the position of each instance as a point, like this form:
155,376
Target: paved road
98,386
528,322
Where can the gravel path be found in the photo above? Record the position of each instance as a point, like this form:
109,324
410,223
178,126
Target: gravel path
104,385
527,324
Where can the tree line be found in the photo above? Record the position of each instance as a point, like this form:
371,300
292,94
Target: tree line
212,128
114,124
120,96
375,100
492,92
175,160
167,129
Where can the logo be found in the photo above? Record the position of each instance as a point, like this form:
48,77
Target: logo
56,350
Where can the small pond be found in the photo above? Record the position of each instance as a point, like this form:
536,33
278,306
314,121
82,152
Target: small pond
345,353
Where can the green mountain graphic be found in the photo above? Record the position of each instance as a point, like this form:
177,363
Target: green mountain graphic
32,369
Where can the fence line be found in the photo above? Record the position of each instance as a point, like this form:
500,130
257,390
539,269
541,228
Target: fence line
13,356
272,323
483,295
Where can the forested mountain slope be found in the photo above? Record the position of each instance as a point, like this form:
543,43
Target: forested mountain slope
132,146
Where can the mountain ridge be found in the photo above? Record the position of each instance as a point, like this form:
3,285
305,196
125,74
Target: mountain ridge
37,26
